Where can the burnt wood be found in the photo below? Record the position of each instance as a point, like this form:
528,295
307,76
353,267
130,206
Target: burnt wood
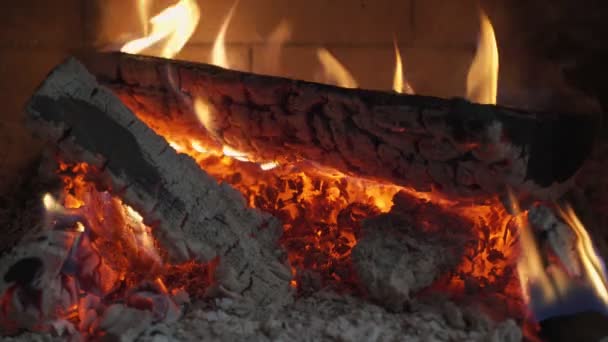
451,145
193,217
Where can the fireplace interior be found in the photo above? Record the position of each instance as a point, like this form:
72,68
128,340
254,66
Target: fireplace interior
303,170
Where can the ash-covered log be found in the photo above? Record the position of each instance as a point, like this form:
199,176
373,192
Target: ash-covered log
454,146
192,216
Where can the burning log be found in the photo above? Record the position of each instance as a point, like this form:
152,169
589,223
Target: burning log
191,215
454,146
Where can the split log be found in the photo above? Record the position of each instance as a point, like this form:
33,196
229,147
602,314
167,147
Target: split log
192,216
454,146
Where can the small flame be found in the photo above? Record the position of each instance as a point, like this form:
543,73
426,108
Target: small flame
80,227
51,204
176,146
334,71
238,155
175,25
218,54
269,165
271,63
198,147
203,113
400,85
482,79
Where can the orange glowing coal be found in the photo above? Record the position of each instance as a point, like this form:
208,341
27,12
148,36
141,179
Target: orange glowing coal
115,251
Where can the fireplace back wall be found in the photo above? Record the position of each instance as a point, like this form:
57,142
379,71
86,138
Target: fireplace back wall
437,41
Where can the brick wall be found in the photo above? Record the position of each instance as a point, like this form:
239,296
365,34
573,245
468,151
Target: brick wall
436,37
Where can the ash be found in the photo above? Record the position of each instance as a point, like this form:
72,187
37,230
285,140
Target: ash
324,316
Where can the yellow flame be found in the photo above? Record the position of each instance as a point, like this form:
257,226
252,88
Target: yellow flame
400,85
175,25
198,147
586,252
51,204
79,227
335,71
218,54
176,146
269,165
143,10
203,113
552,280
482,79
231,152
530,266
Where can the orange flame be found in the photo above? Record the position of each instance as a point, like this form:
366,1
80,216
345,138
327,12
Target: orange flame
218,54
553,281
174,25
400,85
334,71
482,79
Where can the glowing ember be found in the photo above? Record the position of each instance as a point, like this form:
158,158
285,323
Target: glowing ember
482,79
334,71
111,258
400,85
174,26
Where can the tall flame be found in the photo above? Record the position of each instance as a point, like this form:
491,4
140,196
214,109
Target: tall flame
594,268
143,11
335,71
174,25
482,79
400,85
218,54
546,285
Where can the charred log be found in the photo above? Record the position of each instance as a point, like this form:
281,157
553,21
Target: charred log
193,217
423,142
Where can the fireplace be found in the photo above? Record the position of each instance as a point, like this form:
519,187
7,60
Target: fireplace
298,180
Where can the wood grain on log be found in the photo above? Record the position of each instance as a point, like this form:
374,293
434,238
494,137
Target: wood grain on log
454,146
193,217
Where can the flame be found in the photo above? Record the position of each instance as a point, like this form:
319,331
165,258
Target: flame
51,204
482,79
269,165
143,11
271,63
174,25
400,85
218,54
530,266
334,71
547,287
594,268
